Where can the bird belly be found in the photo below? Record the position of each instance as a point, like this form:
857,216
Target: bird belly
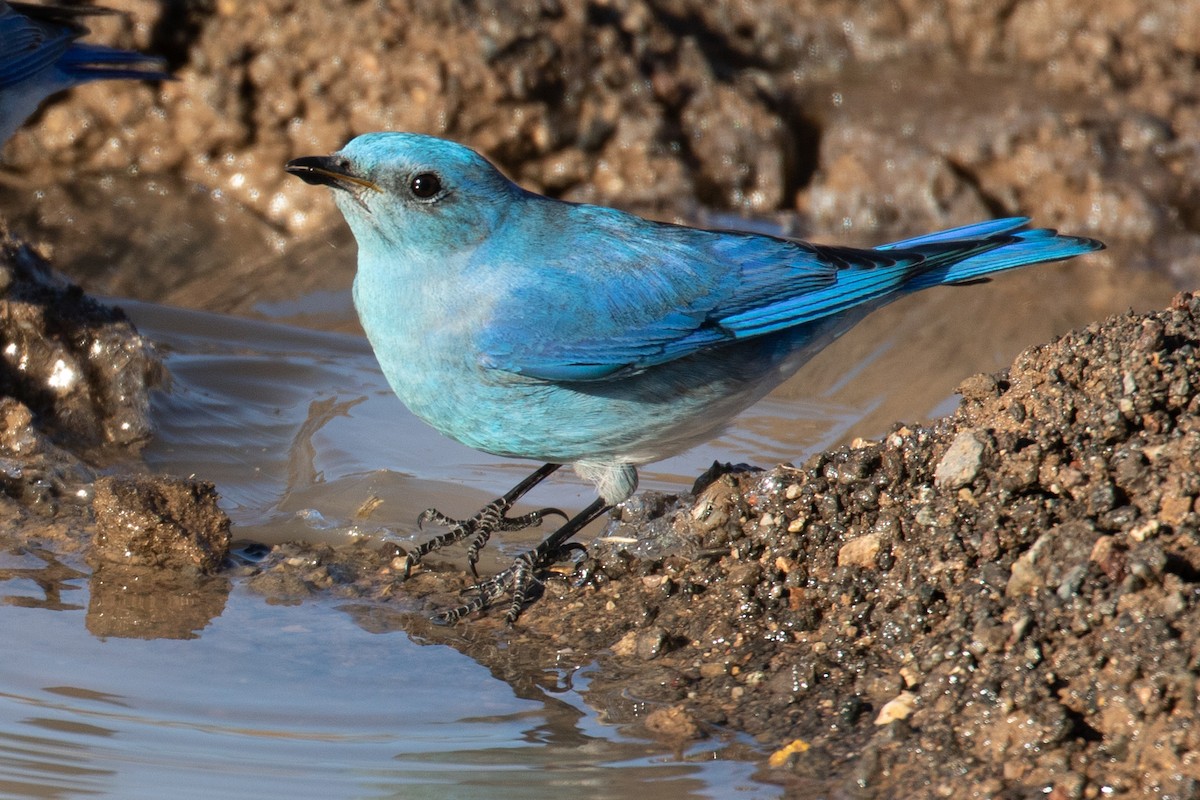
427,353
635,419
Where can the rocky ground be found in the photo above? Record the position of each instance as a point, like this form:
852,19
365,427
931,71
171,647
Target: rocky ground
1003,604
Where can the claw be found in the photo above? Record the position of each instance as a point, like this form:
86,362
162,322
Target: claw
477,543
518,580
477,529
526,576
487,592
530,520
436,517
523,579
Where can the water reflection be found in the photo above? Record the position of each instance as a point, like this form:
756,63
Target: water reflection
300,701
152,603
48,766
36,578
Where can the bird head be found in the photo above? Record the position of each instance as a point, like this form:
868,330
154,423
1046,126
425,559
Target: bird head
411,191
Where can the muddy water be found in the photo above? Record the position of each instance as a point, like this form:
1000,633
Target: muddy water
241,697
303,702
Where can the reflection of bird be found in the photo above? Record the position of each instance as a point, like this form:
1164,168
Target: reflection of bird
572,334
40,55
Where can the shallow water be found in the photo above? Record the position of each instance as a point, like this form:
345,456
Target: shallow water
301,434
301,701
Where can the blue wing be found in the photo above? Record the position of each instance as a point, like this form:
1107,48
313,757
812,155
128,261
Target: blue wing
34,38
28,46
605,293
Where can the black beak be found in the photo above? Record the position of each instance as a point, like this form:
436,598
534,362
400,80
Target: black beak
328,171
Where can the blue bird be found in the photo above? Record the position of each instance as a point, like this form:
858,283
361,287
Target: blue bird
532,328
40,54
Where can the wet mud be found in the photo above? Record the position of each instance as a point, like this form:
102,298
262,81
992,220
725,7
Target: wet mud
75,380
151,521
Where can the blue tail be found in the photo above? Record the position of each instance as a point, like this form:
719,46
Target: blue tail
92,62
998,245
869,278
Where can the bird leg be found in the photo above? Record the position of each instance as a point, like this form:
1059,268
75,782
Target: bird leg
479,528
524,574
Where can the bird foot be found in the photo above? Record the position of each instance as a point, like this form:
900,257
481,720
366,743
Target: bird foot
477,529
524,580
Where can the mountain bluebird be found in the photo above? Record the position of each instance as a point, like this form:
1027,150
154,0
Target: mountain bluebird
573,334
40,55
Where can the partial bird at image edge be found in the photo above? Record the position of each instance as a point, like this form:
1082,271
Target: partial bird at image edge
41,55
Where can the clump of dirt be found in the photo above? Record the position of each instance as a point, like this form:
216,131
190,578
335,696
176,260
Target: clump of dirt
75,379
169,523
77,364
36,475
75,384
1002,605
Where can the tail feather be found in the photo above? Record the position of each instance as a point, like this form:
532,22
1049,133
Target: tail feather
96,62
868,278
977,230
1007,251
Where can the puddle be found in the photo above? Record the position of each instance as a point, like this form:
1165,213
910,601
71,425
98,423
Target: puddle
302,702
304,439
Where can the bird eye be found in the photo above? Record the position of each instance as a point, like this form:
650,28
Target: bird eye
425,185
